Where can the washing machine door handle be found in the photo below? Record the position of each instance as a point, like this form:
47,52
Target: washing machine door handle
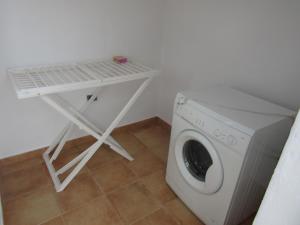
214,178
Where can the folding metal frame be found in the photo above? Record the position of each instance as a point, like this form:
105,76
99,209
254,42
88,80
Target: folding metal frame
47,81
78,119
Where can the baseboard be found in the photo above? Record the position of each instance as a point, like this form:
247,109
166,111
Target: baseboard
21,157
144,124
164,124
137,125
85,139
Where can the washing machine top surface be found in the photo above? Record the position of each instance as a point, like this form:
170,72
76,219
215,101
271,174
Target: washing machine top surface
237,109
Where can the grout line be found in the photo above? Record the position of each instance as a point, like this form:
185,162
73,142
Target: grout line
144,217
83,204
175,219
123,186
107,162
105,195
115,209
79,205
23,195
138,180
63,220
47,220
119,189
142,176
3,174
148,148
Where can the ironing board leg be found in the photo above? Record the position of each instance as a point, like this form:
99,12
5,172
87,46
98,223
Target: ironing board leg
102,137
77,118
61,139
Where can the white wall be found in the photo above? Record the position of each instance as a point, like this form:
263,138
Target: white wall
39,32
253,45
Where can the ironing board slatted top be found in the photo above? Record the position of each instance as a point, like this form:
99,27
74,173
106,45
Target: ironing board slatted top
41,80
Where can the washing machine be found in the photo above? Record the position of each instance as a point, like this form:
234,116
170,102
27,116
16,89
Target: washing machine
224,147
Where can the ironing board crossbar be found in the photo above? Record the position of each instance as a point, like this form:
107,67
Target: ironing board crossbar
69,128
82,122
72,163
70,115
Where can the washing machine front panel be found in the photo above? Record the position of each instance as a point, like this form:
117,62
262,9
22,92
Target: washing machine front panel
198,162
235,146
210,208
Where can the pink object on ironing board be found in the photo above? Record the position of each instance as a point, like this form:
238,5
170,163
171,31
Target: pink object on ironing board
120,59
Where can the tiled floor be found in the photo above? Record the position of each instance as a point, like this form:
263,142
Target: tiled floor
108,191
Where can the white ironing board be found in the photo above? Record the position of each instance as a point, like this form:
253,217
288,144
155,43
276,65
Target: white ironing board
47,81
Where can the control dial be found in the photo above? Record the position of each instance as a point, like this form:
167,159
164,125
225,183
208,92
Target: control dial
217,133
231,140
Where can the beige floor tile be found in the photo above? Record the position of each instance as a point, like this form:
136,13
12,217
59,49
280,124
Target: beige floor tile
182,214
66,156
30,198
145,163
133,202
113,175
32,209
159,217
161,152
56,221
84,140
142,222
132,144
103,155
22,157
154,136
22,165
96,212
80,190
67,148
20,182
157,185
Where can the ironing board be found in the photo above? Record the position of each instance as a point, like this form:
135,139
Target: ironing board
47,82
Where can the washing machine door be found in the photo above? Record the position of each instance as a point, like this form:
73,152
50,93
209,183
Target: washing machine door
198,162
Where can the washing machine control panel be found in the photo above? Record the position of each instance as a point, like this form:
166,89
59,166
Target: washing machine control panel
217,129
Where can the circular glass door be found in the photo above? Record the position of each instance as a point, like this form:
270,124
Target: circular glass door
196,159
198,162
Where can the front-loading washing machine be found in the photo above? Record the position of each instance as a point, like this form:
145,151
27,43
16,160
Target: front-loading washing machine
224,147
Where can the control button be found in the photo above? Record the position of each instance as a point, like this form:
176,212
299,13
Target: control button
179,109
181,101
231,140
217,133
183,112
